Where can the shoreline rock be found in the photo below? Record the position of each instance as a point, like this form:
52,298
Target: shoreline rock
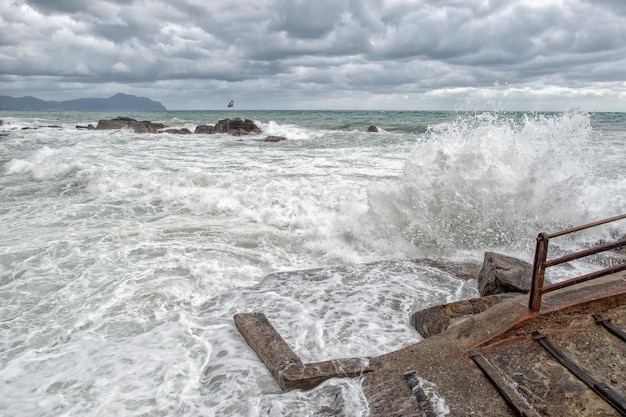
128,123
233,127
274,139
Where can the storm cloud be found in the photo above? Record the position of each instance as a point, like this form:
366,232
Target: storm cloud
323,54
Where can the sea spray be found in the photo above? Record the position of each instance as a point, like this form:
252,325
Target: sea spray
487,181
123,256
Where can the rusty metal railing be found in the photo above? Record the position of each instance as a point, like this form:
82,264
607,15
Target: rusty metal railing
541,262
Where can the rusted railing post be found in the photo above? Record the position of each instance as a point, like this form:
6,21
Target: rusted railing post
541,254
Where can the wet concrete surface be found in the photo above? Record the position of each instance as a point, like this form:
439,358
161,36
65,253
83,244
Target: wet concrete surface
450,383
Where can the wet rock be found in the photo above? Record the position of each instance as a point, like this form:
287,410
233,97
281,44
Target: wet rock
373,129
274,139
128,123
436,319
234,127
88,127
183,131
501,274
237,127
205,129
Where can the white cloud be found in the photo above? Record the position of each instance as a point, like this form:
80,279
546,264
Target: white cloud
385,54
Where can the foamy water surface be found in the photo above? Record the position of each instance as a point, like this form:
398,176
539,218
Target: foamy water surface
124,256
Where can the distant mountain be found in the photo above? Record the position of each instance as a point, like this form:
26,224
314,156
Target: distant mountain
118,102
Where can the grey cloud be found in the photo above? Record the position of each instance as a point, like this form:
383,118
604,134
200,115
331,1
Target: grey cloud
300,46
305,19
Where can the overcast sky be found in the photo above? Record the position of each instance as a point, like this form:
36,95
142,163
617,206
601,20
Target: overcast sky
320,54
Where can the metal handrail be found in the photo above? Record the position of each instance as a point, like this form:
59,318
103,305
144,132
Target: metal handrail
540,264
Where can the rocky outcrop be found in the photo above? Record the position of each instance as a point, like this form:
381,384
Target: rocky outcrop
274,139
501,274
128,123
373,129
235,127
205,129
183,131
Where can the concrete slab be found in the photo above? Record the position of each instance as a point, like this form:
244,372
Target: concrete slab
449,381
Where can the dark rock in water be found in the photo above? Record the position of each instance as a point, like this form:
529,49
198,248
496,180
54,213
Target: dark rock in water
206,129
183,131
88,127
501,274
373,129
1,122
235,127
128,123
274,139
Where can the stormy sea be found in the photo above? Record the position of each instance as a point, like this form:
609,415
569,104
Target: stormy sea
124,256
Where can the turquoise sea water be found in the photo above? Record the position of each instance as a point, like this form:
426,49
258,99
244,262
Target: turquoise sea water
124,256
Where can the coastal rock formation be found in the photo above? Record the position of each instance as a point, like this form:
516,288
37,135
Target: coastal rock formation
183,131
205,129
274,139
373,129
128,123
501,274
235,127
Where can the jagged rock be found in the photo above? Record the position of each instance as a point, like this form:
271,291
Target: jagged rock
237,127
128,123
274,139
206,129
373,129
183,131
501,274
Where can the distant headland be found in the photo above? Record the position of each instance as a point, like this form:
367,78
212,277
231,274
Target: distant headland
118,102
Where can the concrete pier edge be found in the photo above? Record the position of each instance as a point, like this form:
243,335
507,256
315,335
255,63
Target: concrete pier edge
443,360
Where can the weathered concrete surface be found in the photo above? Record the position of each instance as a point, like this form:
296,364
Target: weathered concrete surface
462,270
504,274
284,365
443,360
502,333
435,319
